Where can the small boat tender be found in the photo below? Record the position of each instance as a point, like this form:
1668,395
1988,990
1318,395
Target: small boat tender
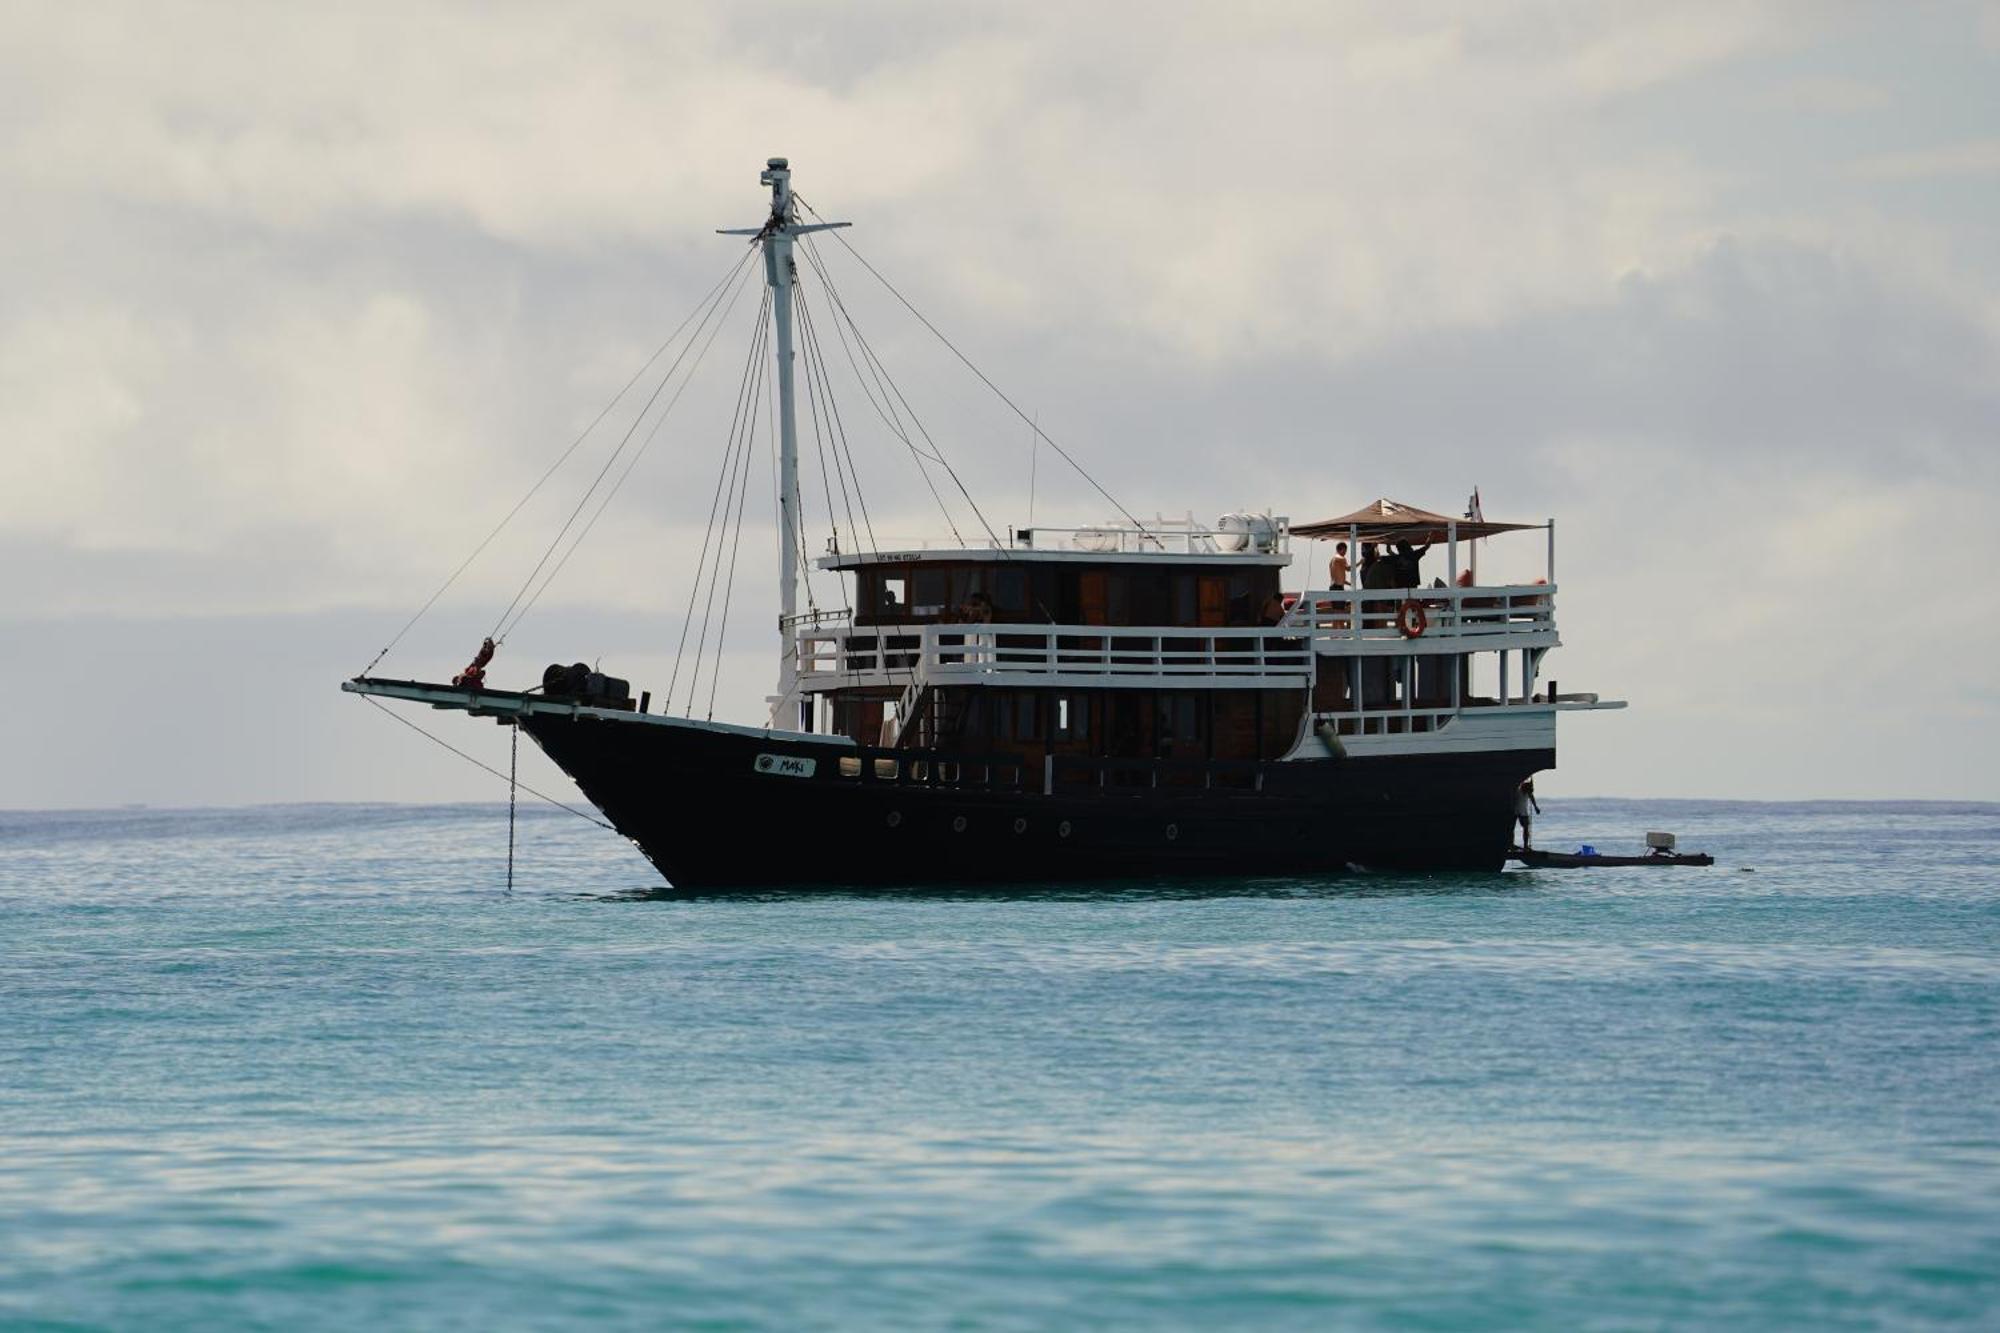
1659,852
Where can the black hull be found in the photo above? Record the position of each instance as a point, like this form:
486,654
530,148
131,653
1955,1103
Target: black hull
699,806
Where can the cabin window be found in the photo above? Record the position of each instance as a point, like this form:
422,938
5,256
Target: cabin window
1151,600
928,592
1010,590
1013,715
959,584
895,593
1179,720
1126,726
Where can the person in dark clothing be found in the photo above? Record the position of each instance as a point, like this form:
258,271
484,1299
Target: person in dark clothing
1409,564
1371,565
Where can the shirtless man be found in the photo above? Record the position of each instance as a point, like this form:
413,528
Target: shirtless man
1336,569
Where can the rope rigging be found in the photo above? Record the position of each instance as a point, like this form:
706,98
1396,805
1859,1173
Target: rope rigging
630,464
732,483
736,542
552,469
818,389
715,305
715,500
842,490
885,407
967,362
786,308
756,400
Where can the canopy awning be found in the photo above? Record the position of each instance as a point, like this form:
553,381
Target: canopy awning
1394,521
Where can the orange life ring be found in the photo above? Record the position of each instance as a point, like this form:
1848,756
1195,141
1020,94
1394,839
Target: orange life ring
1412,619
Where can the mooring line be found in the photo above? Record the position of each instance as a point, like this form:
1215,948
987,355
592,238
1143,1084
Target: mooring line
513,786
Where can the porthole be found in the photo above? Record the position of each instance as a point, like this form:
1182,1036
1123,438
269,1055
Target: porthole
895,818
1173,831
1020,826
1062,829
958,824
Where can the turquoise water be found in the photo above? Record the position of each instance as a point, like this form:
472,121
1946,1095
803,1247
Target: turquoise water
311,1068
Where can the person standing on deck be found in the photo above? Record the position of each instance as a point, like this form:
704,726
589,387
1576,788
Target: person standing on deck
1336,569
1409,564
1525,807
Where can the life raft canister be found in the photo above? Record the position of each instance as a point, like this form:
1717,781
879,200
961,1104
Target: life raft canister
1412,619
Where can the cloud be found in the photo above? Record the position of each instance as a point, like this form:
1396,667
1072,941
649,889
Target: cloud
1977,158
309,123
366,223
1828,95
1640,50
301,301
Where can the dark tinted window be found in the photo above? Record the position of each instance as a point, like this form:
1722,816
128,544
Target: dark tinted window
1010,589
929,590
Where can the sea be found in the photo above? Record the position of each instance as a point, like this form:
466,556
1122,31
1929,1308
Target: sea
318,1067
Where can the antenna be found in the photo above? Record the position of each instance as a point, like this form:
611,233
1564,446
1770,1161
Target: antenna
1034,438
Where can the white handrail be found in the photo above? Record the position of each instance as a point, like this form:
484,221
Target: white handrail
1375,613
959,650
1457,619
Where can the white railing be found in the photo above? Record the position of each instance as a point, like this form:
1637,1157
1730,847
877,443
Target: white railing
1446,613
815,619
864,651
1385,721
1340,623
1159,536
1168,537
957,653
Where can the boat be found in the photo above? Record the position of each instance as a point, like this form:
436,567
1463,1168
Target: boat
1127,698
1583,861
1662,849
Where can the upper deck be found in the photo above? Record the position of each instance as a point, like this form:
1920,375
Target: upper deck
1235,540
1098,613
835,655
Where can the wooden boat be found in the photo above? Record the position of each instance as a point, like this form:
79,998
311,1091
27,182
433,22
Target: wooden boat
1132,697
1571,861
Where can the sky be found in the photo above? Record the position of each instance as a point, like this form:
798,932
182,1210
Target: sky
300,301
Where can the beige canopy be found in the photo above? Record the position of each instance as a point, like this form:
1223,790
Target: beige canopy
1393,521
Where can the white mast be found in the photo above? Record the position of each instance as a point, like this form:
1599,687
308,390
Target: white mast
780,271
